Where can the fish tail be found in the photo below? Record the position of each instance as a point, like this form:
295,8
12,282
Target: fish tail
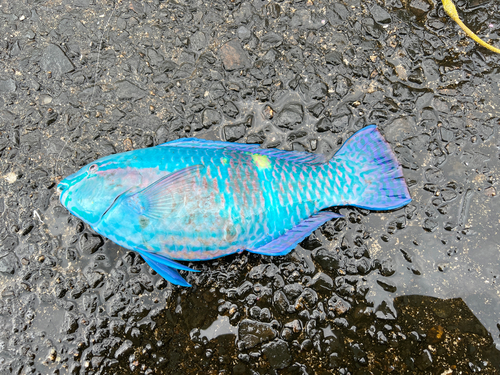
372,177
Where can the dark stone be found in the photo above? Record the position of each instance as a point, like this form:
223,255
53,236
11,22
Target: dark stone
291,115
430,225
277,353
433,175
271,39
128,91
7,85
387,267
328,260
8,263
230,110
323,125
424,360
69,324
9,243
90,243
419,7
281,303
387,286
251,333
319,91
233,56
126,348
316,110
234,132
334,58
380,15
198,41
55,61
210,117
322,282
244,33
338,305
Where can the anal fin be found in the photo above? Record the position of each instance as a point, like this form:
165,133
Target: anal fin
287,242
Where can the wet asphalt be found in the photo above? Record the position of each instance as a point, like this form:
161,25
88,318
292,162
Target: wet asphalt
413,290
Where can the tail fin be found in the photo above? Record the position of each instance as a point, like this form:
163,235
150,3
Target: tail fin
377,181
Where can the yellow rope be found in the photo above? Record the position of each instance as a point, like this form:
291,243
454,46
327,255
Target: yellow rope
451,11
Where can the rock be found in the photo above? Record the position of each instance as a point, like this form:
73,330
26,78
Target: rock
338,305
316,110
424,360
244,33
433,175
271,39
380,15
233,56
69,324
55,61
128,91
124,349
430,225
291,115
234,132
210,117
399,129
419,7
334,58
277,353
90,243
8,263
230,110
7,85
9,243
281,303
321,282
319,91
198,41
387,286
251,333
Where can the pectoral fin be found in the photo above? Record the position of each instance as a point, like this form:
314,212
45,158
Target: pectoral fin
163,196
168,273
287,242
165,261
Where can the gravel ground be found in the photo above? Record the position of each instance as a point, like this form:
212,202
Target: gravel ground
409,291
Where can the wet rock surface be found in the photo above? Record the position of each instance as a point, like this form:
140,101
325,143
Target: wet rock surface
409,291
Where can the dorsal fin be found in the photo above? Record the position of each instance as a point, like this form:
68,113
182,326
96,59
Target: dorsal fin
294,156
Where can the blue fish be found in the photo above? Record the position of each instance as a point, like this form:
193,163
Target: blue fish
193,199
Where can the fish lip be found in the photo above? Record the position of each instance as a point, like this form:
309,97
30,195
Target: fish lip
61,186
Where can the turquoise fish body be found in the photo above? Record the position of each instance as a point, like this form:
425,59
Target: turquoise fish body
194,199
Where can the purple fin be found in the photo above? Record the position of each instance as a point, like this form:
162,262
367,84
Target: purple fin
165,261
162,196
287,242
166,272
377,169
293,156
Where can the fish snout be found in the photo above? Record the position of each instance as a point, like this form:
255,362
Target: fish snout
62,186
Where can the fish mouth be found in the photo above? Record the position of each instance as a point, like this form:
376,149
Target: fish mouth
62,186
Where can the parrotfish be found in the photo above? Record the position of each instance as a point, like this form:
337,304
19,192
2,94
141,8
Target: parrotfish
193,199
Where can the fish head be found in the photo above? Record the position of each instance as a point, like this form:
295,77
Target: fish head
89,192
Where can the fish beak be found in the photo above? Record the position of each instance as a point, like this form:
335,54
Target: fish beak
62,186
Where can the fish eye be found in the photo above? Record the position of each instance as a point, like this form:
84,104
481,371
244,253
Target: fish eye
93,168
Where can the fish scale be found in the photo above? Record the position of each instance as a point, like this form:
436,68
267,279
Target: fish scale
194,199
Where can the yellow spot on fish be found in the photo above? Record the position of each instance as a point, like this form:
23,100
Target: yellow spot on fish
261,161
225,161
